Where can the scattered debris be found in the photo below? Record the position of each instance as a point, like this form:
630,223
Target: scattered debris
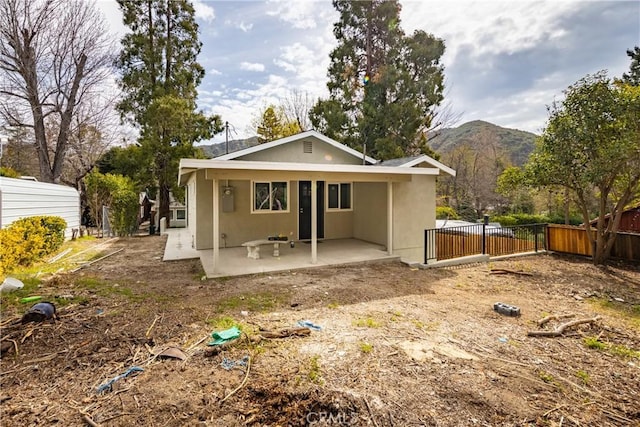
506,310
225,336
40,312
172,353
308,324
59,256
108,385
560,329
96,260
30,299
229,364
11,284
244,381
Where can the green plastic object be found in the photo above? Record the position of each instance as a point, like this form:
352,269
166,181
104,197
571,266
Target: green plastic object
31,299
227,335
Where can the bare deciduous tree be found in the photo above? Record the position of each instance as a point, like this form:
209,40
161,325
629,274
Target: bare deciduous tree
54,56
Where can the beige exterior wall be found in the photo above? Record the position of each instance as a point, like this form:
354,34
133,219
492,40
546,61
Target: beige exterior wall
204,204
370,212
338,225
414,210
294,152
241,225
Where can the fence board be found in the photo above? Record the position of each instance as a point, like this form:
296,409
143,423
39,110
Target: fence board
574,240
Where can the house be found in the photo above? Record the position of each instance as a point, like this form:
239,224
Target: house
308,187
629,223
20,198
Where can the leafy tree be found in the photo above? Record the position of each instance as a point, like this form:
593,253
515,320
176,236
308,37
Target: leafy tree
512,185
160,75
633,78
119,194
53,56
383,85
273,125
591,146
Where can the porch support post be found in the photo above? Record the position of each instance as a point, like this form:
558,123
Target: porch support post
390,218
216,225
314,222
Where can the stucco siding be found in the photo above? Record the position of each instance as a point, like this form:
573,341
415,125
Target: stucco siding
413,211
338,225
204,207
294,152
370,212
21,198
192,217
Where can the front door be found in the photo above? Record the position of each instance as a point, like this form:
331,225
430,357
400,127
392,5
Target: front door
304,204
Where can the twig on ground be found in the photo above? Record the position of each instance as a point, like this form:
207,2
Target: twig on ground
235,390
373,419
560,329
547,319
152,325
96,260
87,419
505,271
285,333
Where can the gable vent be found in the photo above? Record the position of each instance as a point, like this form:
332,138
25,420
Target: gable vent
307,147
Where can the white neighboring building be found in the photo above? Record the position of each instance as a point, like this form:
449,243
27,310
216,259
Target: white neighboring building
23,198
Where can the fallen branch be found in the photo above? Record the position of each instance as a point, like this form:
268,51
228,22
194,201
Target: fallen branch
505,271
560,329
285,333
235,390
547,319
373,419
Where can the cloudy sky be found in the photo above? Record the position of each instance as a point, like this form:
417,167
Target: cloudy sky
504,63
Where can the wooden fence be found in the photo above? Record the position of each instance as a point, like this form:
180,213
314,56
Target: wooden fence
574,240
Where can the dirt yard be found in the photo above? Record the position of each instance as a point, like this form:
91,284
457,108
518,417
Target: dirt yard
398,346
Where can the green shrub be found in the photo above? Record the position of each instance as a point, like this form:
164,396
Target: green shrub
27,240
9,172
519,219
446,212
118,192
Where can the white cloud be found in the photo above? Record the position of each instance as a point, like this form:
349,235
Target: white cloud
244,27
300,14
252,66
204,11
214,72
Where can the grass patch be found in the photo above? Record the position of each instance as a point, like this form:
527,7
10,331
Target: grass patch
629,313
366,322
546,377
365,347
583,375
106,289
333,305
260,302
615,349
314,374
223,322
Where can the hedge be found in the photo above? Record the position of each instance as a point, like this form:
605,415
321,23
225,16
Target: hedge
27,240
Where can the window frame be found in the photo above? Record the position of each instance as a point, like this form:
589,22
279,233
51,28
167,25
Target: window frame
271,193
339,186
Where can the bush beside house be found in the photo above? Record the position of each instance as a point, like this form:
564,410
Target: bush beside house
29,239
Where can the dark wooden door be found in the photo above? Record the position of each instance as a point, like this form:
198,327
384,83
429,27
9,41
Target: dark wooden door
304,205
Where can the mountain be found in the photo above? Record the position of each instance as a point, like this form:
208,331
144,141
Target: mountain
517,143
219,149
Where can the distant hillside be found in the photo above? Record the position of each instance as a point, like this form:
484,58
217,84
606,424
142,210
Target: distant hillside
519,144
220,149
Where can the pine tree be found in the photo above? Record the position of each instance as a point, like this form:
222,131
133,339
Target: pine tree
160,75
383,85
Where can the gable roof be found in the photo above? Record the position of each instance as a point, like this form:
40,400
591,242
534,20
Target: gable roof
409,162
297,137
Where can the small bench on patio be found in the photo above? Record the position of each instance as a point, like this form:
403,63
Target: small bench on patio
253,247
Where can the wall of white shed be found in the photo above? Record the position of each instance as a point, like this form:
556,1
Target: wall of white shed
22,198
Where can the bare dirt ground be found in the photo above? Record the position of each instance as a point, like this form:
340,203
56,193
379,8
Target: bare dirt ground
398,346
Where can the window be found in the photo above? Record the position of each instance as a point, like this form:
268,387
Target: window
339,196
180,213
270,196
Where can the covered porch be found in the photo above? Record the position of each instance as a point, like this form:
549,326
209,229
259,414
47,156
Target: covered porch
234,261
